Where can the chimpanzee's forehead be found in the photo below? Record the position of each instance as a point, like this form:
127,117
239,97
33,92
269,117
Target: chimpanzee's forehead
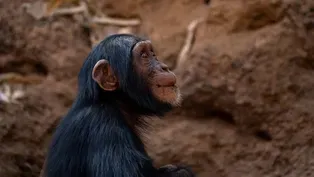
143,42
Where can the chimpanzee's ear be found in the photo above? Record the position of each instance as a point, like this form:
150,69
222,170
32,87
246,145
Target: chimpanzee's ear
104,76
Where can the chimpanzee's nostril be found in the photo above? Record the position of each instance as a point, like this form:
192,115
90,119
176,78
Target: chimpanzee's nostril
164,67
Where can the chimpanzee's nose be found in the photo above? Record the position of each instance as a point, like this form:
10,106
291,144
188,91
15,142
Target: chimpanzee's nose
164,67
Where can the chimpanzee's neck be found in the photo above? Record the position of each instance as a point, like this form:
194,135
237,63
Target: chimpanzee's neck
130,107
110,112
146,106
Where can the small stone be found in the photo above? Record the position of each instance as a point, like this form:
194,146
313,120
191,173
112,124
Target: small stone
216,83
248,67
231,89
3,98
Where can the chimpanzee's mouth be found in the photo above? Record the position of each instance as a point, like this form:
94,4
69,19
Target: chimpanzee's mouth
166,86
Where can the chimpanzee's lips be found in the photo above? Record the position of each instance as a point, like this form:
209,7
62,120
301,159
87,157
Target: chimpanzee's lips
166,86
165,79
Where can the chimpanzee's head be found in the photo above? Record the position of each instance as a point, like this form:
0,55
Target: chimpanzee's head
124,66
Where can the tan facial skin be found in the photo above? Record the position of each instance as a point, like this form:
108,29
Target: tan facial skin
160,79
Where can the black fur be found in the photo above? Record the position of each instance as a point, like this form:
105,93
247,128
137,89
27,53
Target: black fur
117,49
93,139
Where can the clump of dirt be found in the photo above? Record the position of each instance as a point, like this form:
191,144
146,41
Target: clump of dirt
247,83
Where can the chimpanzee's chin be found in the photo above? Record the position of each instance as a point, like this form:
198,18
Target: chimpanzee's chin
163,108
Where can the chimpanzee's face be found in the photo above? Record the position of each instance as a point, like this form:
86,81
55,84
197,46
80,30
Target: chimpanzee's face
160,80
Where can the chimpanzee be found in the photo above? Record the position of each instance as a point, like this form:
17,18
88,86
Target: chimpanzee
121,83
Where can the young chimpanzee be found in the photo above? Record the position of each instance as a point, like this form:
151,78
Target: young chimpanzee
120,83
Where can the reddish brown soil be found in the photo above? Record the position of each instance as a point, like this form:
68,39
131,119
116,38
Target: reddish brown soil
247,84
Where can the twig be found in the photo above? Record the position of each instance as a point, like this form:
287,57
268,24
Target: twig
116,21
70,11
39,10
15,78
188,41
125,30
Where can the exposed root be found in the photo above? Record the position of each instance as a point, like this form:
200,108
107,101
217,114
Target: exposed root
125,30
12,86
116,21
15,78
189,40
95,38
39,10
70,11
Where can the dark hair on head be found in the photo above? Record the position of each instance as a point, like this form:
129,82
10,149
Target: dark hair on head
113,48
117,50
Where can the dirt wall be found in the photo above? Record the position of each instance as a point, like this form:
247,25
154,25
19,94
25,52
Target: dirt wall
247,83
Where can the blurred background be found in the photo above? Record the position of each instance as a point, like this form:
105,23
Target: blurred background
245,68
